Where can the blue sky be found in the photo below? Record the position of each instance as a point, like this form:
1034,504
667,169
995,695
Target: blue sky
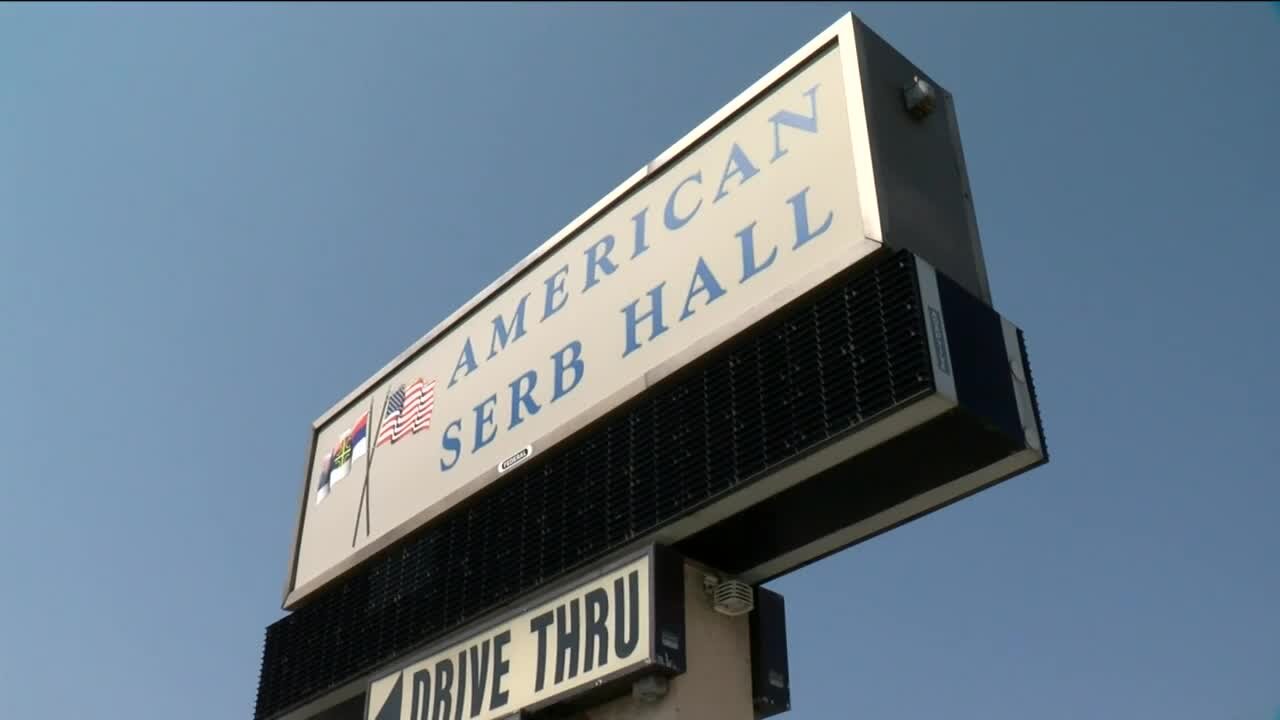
216,221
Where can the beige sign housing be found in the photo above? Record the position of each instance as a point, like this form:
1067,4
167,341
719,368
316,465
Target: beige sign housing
763,201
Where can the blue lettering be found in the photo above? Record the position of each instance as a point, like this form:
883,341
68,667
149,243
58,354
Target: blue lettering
501,331
640,245
555,287
484,421
800,122
703,281
800,209
466,359
602,262
673,222
450,442
654,314
574,363
443,704
421,694
523,397
749,267
739,164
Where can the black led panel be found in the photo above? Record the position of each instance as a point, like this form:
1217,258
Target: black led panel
845,357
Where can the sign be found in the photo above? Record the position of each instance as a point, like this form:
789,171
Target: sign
607,629
756,207
859,389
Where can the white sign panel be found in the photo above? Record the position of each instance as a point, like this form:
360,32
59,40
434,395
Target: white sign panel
600,629
762,203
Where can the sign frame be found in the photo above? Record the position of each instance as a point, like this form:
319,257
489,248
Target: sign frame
840,35
664,603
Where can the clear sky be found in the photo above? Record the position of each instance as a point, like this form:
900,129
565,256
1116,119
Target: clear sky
216,221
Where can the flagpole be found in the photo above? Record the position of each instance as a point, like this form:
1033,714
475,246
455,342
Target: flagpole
366,496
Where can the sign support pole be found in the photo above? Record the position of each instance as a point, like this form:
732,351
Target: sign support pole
716,684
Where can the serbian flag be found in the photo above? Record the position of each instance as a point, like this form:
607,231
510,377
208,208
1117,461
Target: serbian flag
322,485
353,445
360,437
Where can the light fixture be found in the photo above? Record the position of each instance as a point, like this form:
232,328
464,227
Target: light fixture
920,98
728,596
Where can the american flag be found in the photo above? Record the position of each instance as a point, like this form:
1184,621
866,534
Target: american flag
408,411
